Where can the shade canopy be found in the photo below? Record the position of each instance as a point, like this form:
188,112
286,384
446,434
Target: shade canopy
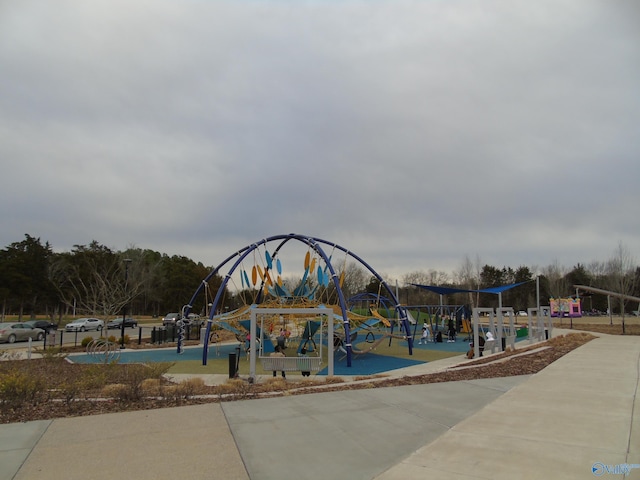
449,290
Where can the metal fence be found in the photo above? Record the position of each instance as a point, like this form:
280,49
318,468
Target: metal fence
153,334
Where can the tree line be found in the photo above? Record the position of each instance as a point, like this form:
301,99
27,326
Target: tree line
96,280
620,273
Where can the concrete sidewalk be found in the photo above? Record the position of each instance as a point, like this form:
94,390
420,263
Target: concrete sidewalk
576,415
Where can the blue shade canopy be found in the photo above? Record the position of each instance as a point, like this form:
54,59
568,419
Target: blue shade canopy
502,288
442,290
449,291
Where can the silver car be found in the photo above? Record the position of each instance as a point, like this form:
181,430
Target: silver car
14,332
84,324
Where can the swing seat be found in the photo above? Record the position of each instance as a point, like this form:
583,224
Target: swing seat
291,364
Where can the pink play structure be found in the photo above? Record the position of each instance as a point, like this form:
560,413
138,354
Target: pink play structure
565,307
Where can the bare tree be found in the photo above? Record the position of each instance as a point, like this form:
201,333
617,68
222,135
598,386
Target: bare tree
420,277
355,279
621,276
597,271
556,276
468,276
438,278
95,281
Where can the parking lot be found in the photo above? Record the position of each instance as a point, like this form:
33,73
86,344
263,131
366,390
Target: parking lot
154,331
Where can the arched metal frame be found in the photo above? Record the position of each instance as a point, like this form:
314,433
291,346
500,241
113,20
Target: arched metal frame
316,244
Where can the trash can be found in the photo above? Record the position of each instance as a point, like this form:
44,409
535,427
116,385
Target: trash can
232,365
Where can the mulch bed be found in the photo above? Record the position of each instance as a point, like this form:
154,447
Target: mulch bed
61,374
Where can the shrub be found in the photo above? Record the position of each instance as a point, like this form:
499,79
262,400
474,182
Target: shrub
18,388
115,390
133,377
190,387
126,339
86,341
151,387
86,382
234,386
112,338
334,379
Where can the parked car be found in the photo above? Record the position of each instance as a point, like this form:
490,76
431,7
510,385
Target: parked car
84,324
194,319
171,319
117,323
43,324
14,332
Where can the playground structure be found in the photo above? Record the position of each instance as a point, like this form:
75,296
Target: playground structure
313,317
103,351
310,313
437,317
293,308
502,325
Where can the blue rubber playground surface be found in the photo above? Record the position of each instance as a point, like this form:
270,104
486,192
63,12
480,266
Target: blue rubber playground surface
368,364
158,355
361,364
365,364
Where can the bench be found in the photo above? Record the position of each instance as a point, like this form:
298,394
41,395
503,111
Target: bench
291,364
488,345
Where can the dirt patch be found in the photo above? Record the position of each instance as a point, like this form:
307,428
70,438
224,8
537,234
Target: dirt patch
615,329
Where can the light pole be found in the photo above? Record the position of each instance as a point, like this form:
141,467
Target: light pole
127,261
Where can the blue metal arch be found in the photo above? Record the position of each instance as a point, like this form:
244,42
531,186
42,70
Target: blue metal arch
314,243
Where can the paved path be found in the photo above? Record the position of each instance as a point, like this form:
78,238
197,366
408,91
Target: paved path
579,413
576,415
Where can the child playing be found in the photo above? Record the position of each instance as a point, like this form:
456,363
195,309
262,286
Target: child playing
425,335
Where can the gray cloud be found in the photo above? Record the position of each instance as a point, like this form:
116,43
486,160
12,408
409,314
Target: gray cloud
412,132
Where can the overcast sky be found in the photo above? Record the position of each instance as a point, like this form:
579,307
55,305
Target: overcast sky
413,133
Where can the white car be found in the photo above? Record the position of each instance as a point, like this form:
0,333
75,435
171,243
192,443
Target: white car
84,324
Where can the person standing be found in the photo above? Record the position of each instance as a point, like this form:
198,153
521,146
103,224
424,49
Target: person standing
278,353
303,353
281,340
451,332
